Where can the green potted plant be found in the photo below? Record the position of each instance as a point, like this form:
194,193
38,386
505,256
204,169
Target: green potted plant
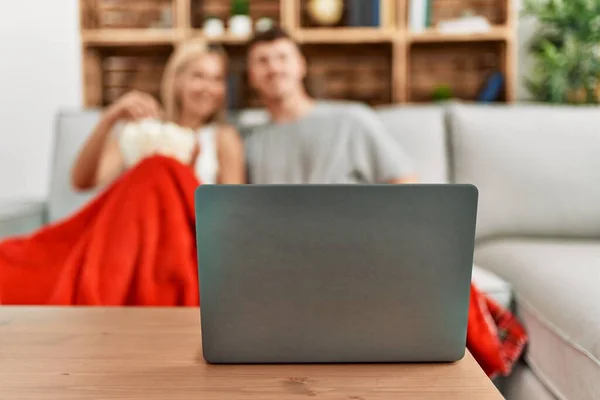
565,51
240,23
442,93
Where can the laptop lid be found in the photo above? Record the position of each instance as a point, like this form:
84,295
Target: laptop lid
335,273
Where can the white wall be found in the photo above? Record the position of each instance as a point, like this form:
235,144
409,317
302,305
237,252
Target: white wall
40,72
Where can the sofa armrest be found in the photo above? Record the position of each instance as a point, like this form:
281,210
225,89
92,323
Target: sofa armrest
21,217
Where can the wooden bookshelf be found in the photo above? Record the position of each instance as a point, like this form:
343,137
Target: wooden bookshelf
395,64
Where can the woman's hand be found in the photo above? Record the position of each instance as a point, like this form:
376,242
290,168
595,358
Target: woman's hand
134,106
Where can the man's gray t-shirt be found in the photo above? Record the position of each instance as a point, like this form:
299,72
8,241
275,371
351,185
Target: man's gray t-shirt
335,143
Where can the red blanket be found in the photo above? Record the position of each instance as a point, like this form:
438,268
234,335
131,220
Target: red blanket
135,245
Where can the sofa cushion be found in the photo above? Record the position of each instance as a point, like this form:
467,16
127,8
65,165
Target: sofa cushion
21,217
556,284
421,131
246,119
523,384
536,167
72,129
492,285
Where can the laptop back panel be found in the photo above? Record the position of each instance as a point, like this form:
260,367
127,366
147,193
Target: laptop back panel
335,273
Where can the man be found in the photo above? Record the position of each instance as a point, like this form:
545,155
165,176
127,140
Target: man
309,141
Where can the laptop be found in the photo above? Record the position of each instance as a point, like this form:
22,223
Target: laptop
334,273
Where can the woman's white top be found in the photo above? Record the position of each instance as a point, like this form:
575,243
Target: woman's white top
207,163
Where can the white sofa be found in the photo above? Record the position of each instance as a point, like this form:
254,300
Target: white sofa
538,173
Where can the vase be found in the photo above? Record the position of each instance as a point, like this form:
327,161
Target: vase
263,24
577,96
326,12
213,27
240,25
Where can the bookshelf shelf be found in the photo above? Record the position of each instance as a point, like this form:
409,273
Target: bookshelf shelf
126,42
224,39
344,35
433,35
130,37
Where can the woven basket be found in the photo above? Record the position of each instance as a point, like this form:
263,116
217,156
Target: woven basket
98,14
132,69
464,67
337,72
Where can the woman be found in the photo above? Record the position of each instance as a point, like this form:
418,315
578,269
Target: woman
134,244
193,94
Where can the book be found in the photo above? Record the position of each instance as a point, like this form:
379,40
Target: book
375,12
365,15
417,15
474,24
353,13
492,88
428,12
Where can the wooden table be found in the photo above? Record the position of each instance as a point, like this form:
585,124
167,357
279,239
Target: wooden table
154,353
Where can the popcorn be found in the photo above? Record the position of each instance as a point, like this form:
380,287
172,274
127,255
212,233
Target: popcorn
150,136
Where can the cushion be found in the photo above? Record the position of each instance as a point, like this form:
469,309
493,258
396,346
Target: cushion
20,217
537,167
556,284
492,285
72,129
246,119
523,384
421,131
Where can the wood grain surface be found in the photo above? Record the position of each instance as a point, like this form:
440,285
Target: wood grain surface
155,353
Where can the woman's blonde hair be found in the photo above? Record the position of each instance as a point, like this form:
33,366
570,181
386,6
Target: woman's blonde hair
183,55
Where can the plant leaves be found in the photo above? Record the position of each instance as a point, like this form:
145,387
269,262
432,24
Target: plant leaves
565,50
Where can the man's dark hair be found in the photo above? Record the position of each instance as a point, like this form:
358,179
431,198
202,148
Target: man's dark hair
270,35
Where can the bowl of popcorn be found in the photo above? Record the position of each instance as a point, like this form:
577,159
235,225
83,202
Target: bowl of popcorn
145,138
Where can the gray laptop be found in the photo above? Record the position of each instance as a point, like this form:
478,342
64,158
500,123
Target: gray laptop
335,273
